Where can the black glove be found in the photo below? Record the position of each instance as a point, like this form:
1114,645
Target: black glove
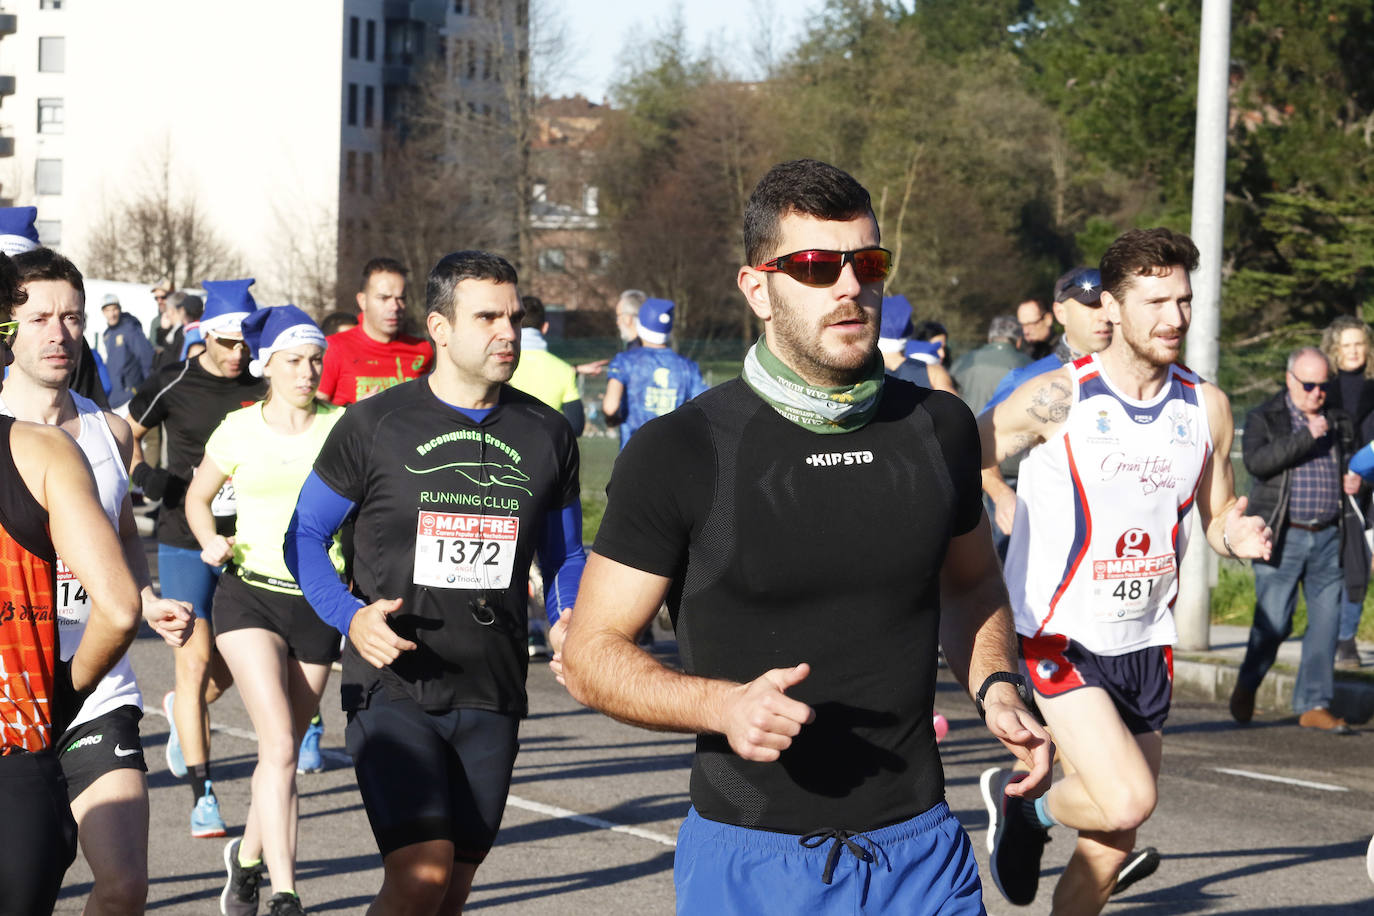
152,481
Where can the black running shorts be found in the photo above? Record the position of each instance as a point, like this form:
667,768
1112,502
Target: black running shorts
432,776
37,833
240,606
90,750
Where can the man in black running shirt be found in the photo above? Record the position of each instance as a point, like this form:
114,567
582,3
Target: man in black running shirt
816,530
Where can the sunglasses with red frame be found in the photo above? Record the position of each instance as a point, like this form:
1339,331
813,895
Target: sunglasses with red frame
822,267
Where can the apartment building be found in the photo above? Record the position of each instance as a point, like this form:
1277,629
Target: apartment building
268,114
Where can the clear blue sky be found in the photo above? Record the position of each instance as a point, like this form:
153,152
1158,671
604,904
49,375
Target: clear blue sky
598,32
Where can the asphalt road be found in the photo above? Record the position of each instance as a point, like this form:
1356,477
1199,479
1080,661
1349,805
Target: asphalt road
595,808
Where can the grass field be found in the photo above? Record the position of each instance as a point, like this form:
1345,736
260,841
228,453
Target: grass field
598,455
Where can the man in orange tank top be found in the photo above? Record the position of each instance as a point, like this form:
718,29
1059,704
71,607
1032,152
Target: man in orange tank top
48,504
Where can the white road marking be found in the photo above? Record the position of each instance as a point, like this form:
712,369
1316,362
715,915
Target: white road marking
1287,780
553,811
342,758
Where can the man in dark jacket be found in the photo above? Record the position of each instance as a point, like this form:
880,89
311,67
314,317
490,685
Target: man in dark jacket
128,353
1298,451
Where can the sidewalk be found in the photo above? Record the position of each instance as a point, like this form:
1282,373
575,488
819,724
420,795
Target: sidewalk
1210,675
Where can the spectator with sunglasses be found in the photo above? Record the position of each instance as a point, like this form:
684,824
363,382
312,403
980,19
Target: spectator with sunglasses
649,380
188,400
1078,307
816,529
1298,451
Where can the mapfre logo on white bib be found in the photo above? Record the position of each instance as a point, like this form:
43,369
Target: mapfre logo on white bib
455,550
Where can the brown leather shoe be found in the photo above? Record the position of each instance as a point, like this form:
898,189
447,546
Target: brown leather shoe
1242,704
1322,719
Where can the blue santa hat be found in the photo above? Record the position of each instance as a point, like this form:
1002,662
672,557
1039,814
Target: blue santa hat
655,321
18,233
278,328
895,327
925,351
227,303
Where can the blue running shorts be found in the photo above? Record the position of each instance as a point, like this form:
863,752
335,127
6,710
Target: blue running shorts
920,866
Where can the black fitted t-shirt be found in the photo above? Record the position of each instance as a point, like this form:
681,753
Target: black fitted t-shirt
189,403
434,490
785,546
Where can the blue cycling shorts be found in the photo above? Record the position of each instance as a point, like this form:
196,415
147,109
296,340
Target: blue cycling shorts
920,866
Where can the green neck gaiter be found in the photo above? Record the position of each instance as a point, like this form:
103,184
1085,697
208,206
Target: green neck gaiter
821,410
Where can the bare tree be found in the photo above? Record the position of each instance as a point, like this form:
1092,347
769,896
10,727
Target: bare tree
156,233
455,159
307,258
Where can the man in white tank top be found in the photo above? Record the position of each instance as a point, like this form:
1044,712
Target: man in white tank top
1125,442
100,752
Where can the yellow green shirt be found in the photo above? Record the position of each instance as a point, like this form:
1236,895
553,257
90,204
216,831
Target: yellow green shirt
268,468
546,377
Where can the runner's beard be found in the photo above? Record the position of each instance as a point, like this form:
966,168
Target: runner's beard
800,344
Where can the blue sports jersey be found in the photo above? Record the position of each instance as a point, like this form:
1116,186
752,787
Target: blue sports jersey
657,381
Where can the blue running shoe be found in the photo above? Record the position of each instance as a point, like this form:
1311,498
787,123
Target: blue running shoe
175,762
309,760
205,819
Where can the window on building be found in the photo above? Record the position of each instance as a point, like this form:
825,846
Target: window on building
350,171
522,13
352,104
392,103
458,7
486,62
49,232
371,39
472,60
47,176
369,105
553,261
367,173
50,116
52,55
50,4
354,36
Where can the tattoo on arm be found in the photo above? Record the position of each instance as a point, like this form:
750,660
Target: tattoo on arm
1050,404
1023,442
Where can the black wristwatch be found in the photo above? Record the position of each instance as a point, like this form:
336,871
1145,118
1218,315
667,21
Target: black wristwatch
1002,677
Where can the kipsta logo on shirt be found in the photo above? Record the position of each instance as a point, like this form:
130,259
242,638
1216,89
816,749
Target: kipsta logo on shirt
831,459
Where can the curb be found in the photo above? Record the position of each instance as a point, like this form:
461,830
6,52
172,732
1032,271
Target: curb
1201,678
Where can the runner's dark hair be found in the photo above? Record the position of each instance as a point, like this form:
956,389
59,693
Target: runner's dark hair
10,293
458,266
1144,252
335,322
46,264
928,329
534,312
805,186
382,266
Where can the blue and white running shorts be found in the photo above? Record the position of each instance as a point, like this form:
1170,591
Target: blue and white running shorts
920,866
